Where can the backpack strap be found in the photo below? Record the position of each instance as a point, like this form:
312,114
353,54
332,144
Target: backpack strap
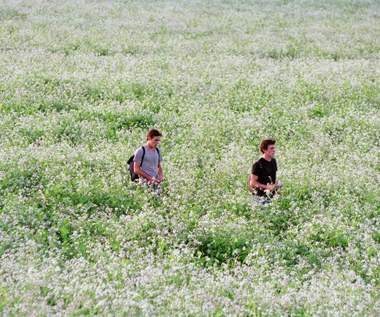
142,158
158,152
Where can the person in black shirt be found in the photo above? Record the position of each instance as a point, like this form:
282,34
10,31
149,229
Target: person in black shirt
263,182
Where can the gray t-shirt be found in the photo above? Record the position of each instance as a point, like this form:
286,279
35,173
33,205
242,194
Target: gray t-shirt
150,162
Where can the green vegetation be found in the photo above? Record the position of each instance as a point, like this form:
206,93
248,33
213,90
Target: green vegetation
80,85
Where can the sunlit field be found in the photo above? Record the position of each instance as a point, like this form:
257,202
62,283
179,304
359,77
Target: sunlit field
81,83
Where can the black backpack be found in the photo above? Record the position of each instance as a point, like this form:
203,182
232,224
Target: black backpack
130,162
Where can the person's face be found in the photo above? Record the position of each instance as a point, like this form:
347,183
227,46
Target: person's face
154,141
270,151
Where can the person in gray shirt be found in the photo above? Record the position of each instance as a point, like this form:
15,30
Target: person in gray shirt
148,165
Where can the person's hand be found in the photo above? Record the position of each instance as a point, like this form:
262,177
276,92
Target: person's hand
160,179
271,188
153,181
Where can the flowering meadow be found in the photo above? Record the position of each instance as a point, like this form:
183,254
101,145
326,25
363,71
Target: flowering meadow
81,83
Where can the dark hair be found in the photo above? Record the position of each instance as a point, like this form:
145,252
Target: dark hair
152,133
265,143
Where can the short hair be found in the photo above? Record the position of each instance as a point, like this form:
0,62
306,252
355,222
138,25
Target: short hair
265,143
152,133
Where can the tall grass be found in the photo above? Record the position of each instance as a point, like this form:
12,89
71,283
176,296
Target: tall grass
82,82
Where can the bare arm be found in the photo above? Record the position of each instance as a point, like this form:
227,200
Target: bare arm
253,183
160,173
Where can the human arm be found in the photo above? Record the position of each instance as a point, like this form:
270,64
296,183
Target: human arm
254,183
160,177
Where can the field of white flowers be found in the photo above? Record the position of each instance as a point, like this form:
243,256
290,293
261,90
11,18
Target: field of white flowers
82,81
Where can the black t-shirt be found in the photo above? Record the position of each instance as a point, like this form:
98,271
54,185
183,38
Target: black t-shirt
266,172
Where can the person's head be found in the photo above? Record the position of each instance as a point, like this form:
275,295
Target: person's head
153,137
267,147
